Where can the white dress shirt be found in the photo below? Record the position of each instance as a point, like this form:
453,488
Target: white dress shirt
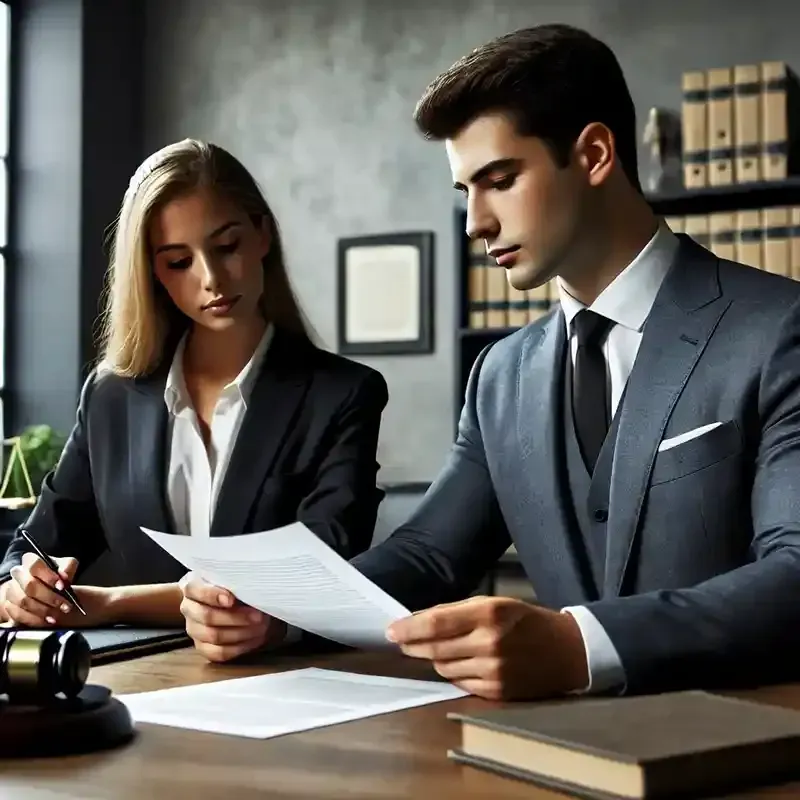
194,473
626,301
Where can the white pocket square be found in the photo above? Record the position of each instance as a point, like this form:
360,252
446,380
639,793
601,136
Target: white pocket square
668,444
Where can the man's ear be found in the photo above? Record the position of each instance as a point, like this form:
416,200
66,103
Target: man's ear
595,149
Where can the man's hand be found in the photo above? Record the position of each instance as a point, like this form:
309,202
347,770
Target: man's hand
221,626
497,647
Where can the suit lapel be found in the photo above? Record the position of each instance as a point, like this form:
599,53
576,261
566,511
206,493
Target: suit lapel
276,398
540,425
147,438
683,318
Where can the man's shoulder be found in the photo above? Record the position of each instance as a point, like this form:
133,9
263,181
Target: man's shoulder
507,350
746,283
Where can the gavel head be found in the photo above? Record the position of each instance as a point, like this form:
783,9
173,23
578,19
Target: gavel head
39,667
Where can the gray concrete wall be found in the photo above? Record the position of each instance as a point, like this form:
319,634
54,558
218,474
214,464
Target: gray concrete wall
315,96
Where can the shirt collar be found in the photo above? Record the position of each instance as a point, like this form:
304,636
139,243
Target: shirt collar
627,300
176,396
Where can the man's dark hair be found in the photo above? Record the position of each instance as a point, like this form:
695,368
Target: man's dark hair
552,81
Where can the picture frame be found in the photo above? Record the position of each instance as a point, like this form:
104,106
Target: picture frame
385,294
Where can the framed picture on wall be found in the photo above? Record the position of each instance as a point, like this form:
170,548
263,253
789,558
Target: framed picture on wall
385,294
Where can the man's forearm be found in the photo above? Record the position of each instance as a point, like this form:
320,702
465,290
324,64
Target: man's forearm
148,604
735,628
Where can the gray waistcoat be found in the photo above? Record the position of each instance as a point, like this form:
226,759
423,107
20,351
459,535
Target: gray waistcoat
588,494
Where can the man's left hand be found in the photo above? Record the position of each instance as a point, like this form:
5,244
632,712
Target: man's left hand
498,648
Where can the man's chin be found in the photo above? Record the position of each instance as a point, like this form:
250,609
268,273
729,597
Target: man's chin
523,277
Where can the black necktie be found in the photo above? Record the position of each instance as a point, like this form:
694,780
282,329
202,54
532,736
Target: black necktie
590,401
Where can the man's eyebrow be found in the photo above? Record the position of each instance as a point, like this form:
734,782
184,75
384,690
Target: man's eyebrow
218,232
487,169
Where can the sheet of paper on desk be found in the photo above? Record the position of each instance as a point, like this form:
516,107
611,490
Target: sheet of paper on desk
284,702
291,574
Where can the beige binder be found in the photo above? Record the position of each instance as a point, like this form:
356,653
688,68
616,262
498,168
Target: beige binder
694,123
776,252
749,238
539,300
720,126
722,226
476,284
776,78
794,242
675,224
747,123
697,226
496,298
517,308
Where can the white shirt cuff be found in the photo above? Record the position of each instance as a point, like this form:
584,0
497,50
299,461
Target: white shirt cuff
605,667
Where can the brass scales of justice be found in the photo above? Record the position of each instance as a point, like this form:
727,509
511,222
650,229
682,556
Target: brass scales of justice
16,456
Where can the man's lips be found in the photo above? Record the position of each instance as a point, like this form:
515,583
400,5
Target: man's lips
504,255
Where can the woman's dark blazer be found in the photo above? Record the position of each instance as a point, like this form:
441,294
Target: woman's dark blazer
306,451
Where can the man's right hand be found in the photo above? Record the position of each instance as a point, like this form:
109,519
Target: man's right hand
29,599
222,627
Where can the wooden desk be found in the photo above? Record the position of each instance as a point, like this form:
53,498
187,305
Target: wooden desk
397,755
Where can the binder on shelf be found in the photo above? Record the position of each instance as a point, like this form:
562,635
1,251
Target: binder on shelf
794,241
496,298
780,110
694,125
539,300
746,123
749,238
517,308
722,228
696,226
675,224
776,250
720,126
476,285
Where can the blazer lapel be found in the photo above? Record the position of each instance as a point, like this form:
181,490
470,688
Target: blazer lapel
540,424
683,318
276,398
147,437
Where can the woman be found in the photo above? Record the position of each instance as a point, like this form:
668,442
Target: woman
210,414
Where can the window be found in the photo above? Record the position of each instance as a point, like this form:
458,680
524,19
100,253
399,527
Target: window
5,105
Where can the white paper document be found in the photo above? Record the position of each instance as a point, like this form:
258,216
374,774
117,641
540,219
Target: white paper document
285,702
291,574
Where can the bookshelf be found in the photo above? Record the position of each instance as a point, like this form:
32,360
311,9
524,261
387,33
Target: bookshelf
682,202
735,197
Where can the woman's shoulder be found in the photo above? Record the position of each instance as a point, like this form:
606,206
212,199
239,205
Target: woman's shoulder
104,387
331,370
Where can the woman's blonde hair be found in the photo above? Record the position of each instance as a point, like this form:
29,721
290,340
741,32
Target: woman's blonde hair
138,318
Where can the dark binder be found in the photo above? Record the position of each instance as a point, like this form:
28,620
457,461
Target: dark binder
121,643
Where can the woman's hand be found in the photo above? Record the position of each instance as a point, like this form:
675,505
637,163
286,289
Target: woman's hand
29,599
221,626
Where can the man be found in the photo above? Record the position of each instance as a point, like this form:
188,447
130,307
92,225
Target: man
640,445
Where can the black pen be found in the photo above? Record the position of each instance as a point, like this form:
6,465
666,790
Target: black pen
67,592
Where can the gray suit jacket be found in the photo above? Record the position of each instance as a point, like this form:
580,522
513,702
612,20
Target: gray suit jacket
701,572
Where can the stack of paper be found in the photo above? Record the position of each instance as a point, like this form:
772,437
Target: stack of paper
286,702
